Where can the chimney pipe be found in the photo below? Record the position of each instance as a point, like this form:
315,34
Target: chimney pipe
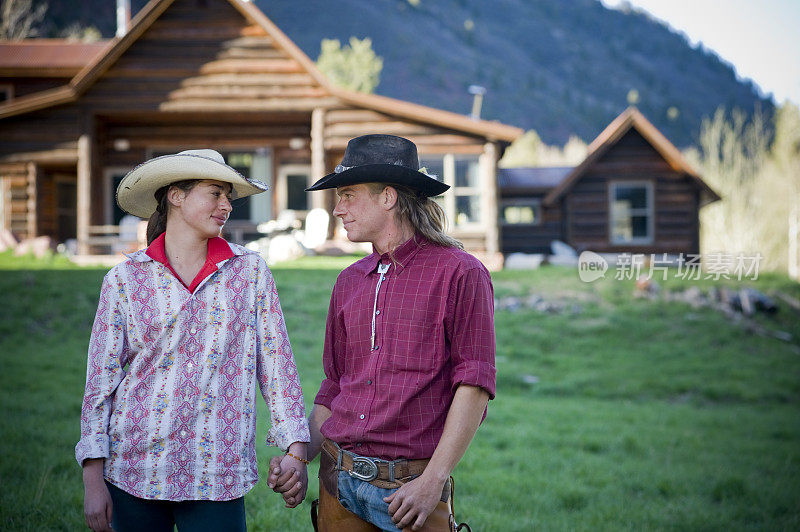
123,17
477,100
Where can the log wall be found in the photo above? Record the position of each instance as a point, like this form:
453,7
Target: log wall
676,200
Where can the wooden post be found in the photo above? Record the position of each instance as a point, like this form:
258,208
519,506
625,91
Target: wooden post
5,204
488,173
84,190
31,214
317,154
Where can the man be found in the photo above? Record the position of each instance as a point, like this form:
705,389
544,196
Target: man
408,354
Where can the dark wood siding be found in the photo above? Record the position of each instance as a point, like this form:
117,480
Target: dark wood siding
525,238
343,124
675,223
40,136
24,86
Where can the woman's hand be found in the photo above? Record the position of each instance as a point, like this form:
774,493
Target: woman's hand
97,506
288,475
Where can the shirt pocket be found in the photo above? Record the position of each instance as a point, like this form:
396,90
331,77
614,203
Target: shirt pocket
414,345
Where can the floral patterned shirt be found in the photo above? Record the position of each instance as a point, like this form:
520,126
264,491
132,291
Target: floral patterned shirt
170,399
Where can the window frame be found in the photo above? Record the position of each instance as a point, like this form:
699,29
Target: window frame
109,191
467,191
535,203
448,199
282,187
648,211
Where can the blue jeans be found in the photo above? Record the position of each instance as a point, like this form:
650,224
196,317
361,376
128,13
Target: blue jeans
132,514
366,501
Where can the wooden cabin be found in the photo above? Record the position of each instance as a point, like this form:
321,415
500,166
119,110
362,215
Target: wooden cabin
75,118
634,192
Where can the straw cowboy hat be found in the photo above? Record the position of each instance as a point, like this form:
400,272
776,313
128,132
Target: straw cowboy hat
381,159
136,191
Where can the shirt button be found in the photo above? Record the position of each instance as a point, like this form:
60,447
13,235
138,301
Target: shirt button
183,434
358,444
362,416
375,348
377,312
369,381
193,330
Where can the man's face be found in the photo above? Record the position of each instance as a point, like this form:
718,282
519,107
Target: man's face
362,212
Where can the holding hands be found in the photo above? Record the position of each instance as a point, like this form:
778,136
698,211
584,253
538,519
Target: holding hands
288,475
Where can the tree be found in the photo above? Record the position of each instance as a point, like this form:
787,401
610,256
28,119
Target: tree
77,32
529,151
523,152
354,66
786,159
759,183
19,19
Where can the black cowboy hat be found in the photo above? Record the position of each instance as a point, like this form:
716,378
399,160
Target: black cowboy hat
381,159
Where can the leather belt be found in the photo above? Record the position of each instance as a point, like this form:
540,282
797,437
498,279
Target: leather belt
373,469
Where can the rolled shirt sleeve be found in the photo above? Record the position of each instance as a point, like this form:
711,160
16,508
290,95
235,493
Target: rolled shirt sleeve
277,373
473,338
108,351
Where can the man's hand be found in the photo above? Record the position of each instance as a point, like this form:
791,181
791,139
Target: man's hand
97,504
414,501
289,477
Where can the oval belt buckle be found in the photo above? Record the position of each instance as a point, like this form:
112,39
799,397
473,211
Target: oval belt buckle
364,469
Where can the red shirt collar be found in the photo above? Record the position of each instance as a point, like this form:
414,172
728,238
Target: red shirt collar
218,251
399,257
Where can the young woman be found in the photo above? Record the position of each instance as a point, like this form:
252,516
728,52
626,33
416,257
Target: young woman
185,330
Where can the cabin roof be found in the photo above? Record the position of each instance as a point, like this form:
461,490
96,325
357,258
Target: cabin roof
629,119
96,66
47,57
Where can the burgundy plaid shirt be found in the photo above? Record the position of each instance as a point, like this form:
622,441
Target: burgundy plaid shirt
434,330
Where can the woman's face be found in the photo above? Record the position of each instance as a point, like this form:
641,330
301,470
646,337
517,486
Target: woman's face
205,208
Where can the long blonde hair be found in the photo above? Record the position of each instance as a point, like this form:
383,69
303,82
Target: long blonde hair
422,213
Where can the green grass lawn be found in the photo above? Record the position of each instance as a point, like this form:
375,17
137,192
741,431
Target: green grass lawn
616,414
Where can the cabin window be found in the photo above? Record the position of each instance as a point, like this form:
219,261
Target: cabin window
521,212
462,203
296,196
631,212
6,93
290,188
466,190
113,177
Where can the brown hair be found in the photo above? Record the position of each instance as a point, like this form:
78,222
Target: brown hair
425,215
157,223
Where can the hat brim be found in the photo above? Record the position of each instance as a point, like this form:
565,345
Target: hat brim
392,174
136,191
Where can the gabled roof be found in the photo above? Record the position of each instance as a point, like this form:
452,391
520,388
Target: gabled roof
47,57
92,71
631,118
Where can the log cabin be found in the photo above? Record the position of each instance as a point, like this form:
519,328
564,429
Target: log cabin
76,117
634,193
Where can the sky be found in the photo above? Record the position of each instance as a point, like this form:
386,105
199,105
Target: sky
760,38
